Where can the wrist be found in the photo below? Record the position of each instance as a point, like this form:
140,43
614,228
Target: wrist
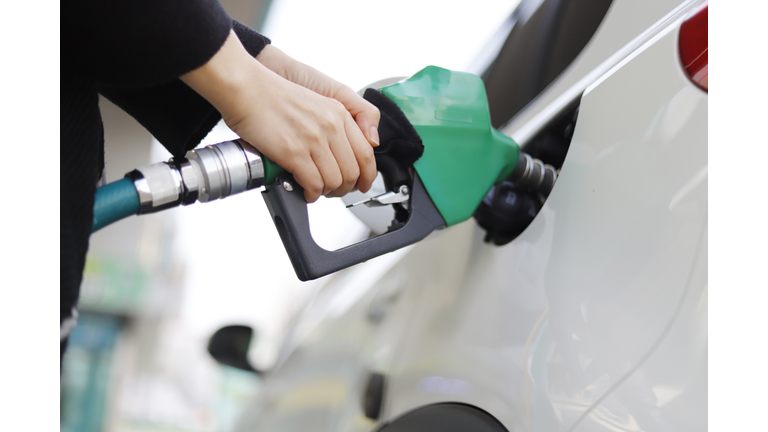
274,59
297,72
228,79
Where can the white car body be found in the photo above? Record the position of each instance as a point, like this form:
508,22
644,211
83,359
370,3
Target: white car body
593,319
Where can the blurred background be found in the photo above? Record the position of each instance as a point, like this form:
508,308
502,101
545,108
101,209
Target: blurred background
156,287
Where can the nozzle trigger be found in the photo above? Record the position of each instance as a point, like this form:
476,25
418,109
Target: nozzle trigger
399,197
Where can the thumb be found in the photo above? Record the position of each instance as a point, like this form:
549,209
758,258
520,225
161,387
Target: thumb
366,114
368,121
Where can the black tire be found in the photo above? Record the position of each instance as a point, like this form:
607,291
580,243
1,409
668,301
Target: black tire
446,417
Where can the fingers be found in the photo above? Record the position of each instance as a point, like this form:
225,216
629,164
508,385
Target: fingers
308,176
330,169
353,155
364,156
337,162
345,157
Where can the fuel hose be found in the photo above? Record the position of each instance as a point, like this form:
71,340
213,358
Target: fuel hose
114,201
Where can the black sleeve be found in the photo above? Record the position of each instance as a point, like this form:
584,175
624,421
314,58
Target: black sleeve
172,112
139,43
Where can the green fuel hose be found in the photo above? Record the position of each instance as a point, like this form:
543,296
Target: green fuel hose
114,201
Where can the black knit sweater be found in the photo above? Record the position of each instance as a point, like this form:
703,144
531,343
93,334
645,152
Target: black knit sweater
132,52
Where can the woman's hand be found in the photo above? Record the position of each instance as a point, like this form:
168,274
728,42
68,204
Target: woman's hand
366,115
312,136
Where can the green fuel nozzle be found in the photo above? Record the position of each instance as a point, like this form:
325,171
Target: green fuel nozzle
463,154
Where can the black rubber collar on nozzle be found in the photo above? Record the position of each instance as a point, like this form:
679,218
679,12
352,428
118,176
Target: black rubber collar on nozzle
397,137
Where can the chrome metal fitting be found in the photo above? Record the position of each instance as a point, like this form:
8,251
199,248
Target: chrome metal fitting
206,174
226,169
189,179
159,186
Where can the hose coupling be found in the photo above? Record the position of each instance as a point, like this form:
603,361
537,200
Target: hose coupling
205,174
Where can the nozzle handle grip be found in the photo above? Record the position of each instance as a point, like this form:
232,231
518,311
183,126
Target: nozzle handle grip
286,203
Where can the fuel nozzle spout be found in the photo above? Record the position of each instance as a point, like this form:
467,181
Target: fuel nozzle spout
511,205
534,175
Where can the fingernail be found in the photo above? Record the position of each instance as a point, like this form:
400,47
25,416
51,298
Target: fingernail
374,135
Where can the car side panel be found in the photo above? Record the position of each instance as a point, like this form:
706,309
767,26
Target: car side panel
539,331
662,386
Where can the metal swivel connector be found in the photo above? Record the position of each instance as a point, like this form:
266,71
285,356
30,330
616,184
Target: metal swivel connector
206,174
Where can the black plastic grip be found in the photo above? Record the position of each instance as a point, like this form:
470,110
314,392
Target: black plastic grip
310,261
